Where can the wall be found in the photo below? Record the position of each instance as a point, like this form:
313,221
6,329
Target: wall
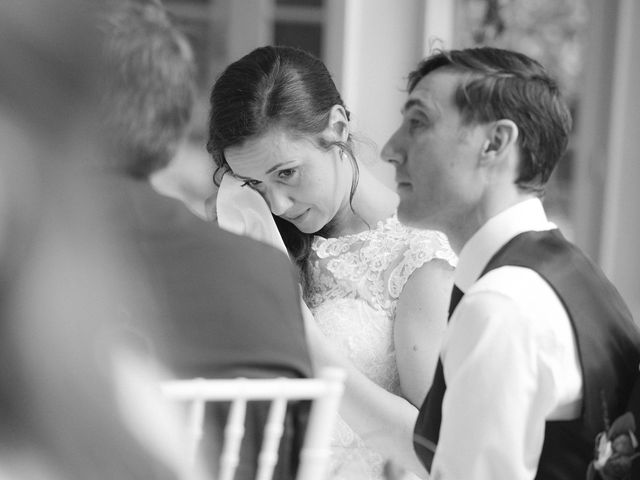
619,252
371,46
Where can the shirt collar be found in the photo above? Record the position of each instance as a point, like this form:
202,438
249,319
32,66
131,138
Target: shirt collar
525,216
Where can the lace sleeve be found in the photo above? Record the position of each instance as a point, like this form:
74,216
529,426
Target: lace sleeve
423,246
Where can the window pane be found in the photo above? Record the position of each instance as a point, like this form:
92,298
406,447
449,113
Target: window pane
550,31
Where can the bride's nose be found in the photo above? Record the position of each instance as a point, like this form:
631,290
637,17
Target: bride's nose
279,201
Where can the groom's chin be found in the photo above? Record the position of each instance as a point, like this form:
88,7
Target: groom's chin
411,218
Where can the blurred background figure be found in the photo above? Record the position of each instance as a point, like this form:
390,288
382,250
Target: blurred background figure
147,128
73,307
187,178
228,306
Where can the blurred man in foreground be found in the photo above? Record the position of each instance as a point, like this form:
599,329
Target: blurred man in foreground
65,274
228,305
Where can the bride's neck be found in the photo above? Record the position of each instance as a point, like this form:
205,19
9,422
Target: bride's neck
372,202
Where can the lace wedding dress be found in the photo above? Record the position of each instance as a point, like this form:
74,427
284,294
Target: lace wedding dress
355,281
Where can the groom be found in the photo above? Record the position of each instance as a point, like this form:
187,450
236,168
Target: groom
540,348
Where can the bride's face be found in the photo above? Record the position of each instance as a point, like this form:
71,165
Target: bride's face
301,182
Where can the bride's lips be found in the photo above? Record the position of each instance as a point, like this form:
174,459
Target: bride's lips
295,218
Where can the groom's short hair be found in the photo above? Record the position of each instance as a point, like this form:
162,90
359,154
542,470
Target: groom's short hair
500,84
149,84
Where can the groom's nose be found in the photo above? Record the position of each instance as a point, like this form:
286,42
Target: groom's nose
391,152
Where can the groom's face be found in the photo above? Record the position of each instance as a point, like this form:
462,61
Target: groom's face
436,156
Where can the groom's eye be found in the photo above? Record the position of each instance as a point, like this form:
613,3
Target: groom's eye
415,123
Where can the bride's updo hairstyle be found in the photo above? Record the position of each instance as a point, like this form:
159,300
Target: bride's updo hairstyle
275,87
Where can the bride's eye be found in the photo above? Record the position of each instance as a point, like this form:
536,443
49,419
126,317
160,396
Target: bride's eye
251,183
286,174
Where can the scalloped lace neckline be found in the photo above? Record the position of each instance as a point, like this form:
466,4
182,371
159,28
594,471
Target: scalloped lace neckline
380,225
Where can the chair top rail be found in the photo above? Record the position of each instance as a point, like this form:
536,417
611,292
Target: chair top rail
248,389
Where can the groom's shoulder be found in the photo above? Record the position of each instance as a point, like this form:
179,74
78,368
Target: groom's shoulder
518,286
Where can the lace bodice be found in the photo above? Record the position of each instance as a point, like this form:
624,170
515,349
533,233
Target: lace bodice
354,285
372,265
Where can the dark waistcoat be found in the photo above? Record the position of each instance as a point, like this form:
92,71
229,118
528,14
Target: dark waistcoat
608,345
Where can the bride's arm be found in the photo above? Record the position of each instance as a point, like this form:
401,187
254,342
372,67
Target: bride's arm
383,420
421,318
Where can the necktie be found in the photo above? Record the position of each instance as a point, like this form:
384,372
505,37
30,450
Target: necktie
430,416
456,296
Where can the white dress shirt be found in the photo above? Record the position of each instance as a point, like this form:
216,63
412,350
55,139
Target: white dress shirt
510,361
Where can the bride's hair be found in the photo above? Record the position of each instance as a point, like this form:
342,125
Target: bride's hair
271,87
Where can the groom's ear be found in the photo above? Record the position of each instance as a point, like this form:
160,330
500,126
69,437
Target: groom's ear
338,126
502,137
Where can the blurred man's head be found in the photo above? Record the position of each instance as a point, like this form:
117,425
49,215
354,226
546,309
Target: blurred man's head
48,56
149,86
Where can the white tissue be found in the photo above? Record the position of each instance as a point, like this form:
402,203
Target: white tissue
241,210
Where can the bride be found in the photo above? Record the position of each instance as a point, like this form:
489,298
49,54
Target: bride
378,290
